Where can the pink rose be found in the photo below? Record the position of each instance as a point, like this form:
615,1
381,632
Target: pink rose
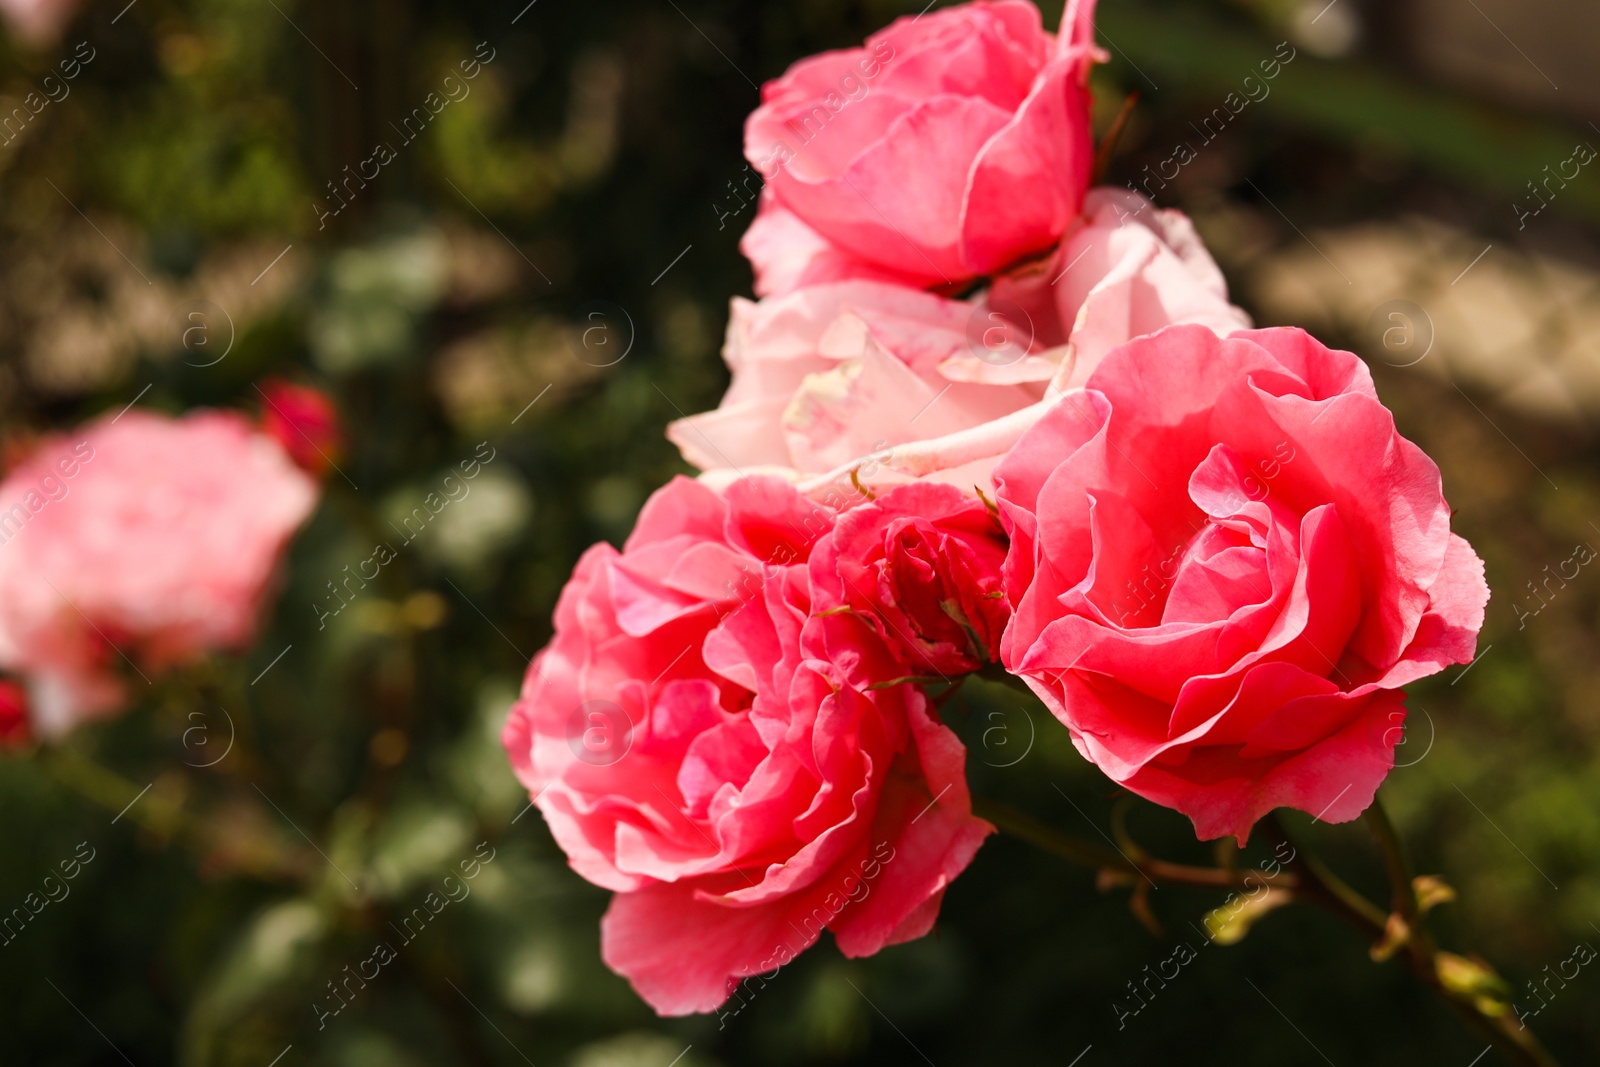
900,385
702,744
951,145
1224,565
139,535
38,22
922,566
1127,269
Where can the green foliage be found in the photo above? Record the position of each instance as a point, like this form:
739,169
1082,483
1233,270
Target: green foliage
446,298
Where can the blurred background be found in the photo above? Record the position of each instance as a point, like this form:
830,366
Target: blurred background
540,273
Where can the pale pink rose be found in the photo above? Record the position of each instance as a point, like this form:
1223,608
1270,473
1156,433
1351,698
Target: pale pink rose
1127,269
1224,564
702,744
141,536
952,145
922,566
38,22
897,385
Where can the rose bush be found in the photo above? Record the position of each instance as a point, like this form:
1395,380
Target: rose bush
1225,563
951,145
139,535
706,746
901,385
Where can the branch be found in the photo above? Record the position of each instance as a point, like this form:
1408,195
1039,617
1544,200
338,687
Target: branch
1089,854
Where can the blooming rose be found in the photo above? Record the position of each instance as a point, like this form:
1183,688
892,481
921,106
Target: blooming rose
922,565
141,536
704,745
953,144
1224,565
900,385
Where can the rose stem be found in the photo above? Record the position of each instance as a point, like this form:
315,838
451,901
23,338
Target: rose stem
1324,888
1517,1043
1021,826
1314,882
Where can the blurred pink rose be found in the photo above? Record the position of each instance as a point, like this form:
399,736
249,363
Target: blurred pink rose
901,385
702,744
922,566
1224,565
38,22
140,535
953,144
304,421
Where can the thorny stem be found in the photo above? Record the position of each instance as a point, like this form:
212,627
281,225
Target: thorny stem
1312,881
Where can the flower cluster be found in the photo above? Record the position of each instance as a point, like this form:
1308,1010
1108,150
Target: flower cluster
1204,547
141,542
